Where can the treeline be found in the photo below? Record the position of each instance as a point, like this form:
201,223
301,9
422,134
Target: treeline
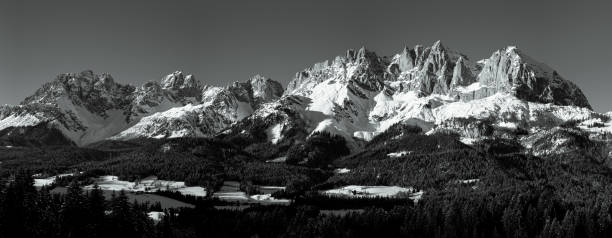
536,212
514,211
319,150
49,160
199,162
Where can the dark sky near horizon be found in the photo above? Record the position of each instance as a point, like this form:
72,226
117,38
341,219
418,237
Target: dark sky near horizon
224,41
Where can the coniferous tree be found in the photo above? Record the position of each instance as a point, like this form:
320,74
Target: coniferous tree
96,207
49,225
74,213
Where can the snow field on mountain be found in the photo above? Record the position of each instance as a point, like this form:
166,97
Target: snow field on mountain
98,127
173,123
19,120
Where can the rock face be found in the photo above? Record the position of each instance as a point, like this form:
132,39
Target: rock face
510,71
182,86
431,70
265,89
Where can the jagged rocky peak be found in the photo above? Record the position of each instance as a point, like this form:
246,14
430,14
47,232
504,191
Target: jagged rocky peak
440,70
105,81
265,89
183,85
463,75
509,70
430,70
150,94
95,92
403,61
361,67
173,81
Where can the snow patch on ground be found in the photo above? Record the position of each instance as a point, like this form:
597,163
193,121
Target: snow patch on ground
277,160
50,180
468,141
231,196
468,181
399,154
269,198
368,191
156,216
342,171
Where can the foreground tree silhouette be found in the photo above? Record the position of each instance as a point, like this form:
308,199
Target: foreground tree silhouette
74,214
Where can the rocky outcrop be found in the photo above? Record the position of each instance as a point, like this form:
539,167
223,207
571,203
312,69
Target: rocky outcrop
183,86
265,89
362,68
511,71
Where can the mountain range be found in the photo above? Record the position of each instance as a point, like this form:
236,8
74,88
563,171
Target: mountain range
356,96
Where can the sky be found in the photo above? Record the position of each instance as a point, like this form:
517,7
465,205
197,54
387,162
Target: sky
225,41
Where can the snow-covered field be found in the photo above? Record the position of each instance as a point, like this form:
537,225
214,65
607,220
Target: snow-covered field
269,198
149,184
230,191
372,191
231,196
50,180
243,197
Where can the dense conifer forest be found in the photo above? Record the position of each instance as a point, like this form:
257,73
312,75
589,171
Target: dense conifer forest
489,189
514,212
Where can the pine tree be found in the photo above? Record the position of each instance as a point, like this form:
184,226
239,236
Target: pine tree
20,214
96,208
74,213
121,217
49,225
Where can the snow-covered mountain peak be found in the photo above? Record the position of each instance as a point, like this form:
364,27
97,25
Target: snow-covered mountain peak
361,94
357,95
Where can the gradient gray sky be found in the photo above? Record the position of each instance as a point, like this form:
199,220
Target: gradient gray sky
223,41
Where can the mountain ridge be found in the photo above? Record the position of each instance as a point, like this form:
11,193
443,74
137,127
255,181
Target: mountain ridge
90,107
357,95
